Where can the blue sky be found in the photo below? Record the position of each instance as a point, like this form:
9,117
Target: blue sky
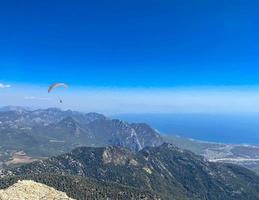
143,47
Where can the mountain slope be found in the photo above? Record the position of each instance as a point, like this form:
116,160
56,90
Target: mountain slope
81,188
115,132
170,172
147,136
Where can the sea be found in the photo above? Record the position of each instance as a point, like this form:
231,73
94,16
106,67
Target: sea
222,128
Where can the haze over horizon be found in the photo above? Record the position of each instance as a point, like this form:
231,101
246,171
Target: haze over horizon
136,100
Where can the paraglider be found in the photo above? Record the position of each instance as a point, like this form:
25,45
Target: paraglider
56,85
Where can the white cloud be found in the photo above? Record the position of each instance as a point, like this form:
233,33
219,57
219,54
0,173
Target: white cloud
36,98
4,85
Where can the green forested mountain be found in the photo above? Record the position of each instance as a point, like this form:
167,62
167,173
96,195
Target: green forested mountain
168,171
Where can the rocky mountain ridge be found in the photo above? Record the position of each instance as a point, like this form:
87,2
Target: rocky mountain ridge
168,171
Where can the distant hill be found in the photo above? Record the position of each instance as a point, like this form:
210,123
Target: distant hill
47,132
166,170
13,108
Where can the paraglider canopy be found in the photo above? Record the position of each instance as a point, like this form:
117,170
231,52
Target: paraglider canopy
55,85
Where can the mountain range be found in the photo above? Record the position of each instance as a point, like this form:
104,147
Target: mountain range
165,171
28,135
42,133
89,156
